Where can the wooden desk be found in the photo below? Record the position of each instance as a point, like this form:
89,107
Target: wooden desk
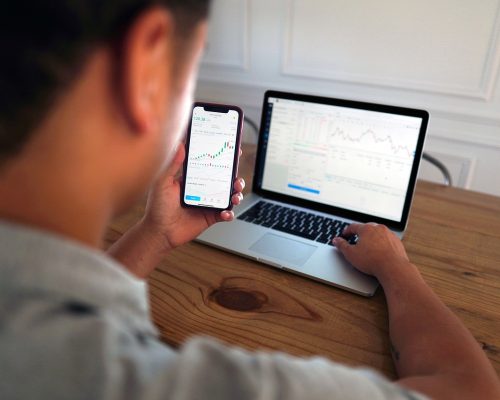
453,237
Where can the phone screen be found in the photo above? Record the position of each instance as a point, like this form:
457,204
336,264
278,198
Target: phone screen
211,155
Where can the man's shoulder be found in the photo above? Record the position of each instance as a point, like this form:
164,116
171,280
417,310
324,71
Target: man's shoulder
58,348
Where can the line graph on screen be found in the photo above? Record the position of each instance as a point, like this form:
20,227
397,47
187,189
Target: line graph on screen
362,135
384,142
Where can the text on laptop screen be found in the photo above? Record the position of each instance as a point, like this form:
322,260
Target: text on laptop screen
345,157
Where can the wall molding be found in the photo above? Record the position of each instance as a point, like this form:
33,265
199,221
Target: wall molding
493,121
244,63
492,63
484,91
461,136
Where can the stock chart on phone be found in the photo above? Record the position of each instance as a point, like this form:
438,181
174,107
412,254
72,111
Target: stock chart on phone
351,158
210,158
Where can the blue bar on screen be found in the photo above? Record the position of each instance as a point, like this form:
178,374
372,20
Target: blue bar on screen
193,198
304,189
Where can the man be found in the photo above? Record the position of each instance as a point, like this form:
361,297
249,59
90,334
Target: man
94,100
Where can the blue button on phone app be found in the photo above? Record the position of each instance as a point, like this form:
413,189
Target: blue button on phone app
193,198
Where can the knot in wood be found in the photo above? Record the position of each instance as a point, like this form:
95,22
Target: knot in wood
239,299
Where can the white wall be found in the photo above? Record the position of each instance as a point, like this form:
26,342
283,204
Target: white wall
440,55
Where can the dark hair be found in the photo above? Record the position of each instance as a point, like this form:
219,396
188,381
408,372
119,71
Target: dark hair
44,44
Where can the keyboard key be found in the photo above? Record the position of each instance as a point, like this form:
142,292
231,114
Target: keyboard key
353,239
324,238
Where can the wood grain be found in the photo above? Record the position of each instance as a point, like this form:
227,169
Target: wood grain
453,237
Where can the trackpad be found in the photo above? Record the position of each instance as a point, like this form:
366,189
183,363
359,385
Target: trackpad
288,250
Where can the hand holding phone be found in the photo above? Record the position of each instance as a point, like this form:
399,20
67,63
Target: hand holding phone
212,155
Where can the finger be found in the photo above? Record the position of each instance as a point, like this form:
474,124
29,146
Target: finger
239,185
237,199
353,229
343,246
226,215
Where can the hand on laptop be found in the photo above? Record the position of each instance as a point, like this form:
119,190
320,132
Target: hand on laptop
178,225
377,252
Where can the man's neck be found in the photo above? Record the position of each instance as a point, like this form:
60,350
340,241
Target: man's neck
54,200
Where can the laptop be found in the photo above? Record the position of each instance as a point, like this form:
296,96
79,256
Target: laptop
322,164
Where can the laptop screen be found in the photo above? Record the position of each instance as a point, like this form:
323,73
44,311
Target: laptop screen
351,156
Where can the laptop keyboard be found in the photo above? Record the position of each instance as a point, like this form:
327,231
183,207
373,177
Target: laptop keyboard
299,223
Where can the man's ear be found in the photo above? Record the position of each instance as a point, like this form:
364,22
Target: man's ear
146,69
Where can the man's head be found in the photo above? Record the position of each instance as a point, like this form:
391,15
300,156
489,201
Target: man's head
116,74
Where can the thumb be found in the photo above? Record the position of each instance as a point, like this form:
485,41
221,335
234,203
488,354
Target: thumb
168,176
343,246
176,163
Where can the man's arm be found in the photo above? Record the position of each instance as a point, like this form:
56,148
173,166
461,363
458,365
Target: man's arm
140,249
166,225
433,351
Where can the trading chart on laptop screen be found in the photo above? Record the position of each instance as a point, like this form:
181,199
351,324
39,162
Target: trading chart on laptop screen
350,158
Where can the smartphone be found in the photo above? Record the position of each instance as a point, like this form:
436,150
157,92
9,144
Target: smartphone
212,155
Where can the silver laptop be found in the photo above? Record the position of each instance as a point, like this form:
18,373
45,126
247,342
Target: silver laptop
322,164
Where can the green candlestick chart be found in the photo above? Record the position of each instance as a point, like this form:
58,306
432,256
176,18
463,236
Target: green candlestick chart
225,147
